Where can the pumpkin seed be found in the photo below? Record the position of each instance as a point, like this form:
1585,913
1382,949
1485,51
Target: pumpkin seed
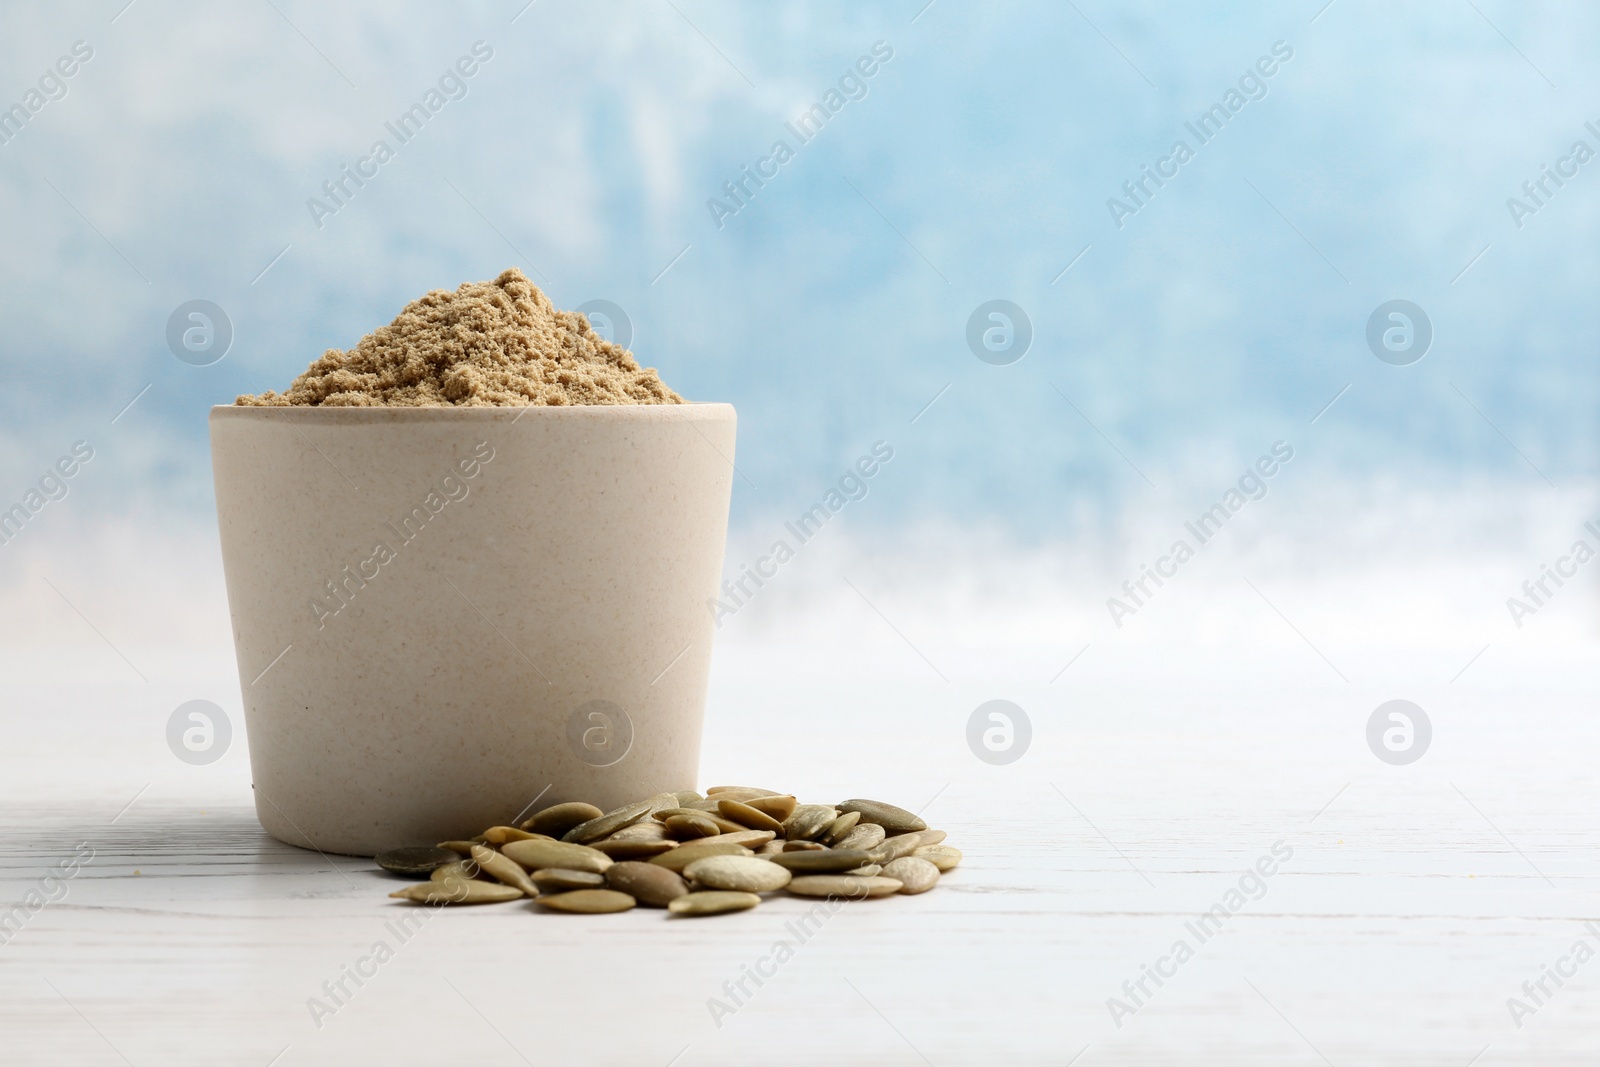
537,854
663,800
866,872
867,835
643,830
895,847
840,828
941,856
887,816
633,850
721,822
499,835
683,855
458,891
559,818
649,884
463,847
745,874
666,813
848,886
462,869
419,861
738,792
712,902
588,901
779,807
916,875
686,795
501,869
609,823
823,861
803,846
691,825
748,838
747,817
561,879
809,821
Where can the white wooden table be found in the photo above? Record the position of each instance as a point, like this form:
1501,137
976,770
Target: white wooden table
1416,902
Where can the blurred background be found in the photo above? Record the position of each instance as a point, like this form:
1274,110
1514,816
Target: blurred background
1162,334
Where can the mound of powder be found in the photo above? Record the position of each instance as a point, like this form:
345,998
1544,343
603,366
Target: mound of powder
488,344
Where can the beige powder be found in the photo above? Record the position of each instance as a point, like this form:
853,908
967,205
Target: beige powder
488,344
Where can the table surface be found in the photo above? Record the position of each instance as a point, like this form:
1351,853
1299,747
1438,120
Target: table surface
1408,905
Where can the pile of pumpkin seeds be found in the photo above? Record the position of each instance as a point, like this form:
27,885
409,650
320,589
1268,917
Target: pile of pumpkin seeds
687,853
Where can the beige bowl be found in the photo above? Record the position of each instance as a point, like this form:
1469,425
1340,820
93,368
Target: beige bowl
444,614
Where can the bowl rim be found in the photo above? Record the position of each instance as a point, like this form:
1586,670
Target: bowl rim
690,411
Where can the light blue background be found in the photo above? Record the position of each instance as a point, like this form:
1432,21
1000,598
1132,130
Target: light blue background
1220,318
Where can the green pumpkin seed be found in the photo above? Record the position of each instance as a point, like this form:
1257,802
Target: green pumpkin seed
745,874
887,816
840,828
738,792
712,902
866,836
706,809
538,854
557,819
683,855
588,901
747,817
643,830
915,874
499,835
462,869
666,813
418,861
501,869
633,850
941,856
609,823
846,886
809,821
779,807
663,800
458,891
651,885
690,825
561,879
824,861
895,847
